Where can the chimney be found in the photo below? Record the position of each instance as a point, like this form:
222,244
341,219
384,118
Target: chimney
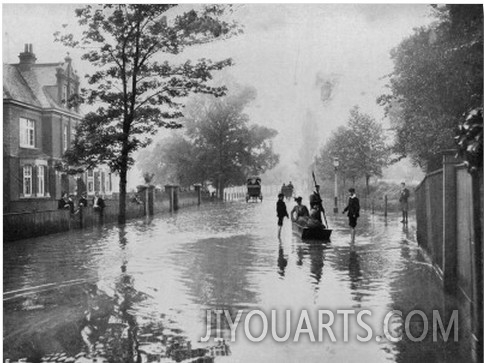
27,58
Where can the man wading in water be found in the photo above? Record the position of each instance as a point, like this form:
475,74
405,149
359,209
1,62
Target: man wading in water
281,212
353,209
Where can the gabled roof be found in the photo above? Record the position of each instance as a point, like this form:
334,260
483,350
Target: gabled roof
15,87
40,76
32,86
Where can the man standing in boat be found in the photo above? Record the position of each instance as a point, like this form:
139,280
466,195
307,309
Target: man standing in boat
316,203
353,209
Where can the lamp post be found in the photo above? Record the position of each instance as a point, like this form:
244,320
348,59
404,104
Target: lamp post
336,164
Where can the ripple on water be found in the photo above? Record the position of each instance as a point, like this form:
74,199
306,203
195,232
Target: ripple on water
228,256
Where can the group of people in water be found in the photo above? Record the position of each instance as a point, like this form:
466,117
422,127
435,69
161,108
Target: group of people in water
313,217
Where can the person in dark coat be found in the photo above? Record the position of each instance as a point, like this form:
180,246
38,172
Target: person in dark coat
281,211
404,195
83,200
353,209
66,203
98,206
61,204
316,204
98,202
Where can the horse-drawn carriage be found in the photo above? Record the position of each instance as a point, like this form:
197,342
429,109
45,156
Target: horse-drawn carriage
254,191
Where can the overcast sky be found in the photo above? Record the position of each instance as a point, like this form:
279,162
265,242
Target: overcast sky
286,52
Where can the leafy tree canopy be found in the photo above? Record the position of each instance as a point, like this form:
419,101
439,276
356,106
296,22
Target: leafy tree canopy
219,145
136,91
437,77
359,146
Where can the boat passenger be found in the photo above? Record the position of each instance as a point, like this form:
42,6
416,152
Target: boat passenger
299,210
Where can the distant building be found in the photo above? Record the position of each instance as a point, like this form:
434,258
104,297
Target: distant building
38,125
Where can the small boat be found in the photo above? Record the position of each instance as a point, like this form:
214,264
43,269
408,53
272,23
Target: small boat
318,232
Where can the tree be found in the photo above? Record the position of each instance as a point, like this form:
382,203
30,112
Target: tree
437,77
136,94
219,145
367,144
337,147
360,148
469,140
172,161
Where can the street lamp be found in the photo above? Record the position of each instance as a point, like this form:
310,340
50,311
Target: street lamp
335,164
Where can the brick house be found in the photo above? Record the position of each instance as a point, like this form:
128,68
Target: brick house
38,126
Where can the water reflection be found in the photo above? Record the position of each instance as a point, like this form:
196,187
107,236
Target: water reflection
314,250
316,253
155,279
354,272
281,260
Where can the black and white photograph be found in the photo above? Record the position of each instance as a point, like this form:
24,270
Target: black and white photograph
242,182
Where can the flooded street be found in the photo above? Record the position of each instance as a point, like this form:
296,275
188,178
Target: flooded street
170,270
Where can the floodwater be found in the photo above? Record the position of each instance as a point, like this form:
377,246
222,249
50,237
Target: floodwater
170,270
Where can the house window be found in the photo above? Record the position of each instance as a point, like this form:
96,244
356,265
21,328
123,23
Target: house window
27,181
27,133
109,187
90,181
102,187
65,137
97,181
41,180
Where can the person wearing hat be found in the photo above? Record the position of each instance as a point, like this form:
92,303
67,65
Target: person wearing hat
353,209
316,203
281,211
404,194
299,210
83,200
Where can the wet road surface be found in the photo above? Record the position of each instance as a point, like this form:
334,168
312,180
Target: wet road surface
168,271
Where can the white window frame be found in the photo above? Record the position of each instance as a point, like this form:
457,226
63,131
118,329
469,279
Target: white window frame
65,137
109,183
41,180
27,133
90,181
27,176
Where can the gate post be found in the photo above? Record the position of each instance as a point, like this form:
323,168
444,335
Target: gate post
198,189
150,200
170,189
176,190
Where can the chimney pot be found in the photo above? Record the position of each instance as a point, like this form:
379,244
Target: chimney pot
27,58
